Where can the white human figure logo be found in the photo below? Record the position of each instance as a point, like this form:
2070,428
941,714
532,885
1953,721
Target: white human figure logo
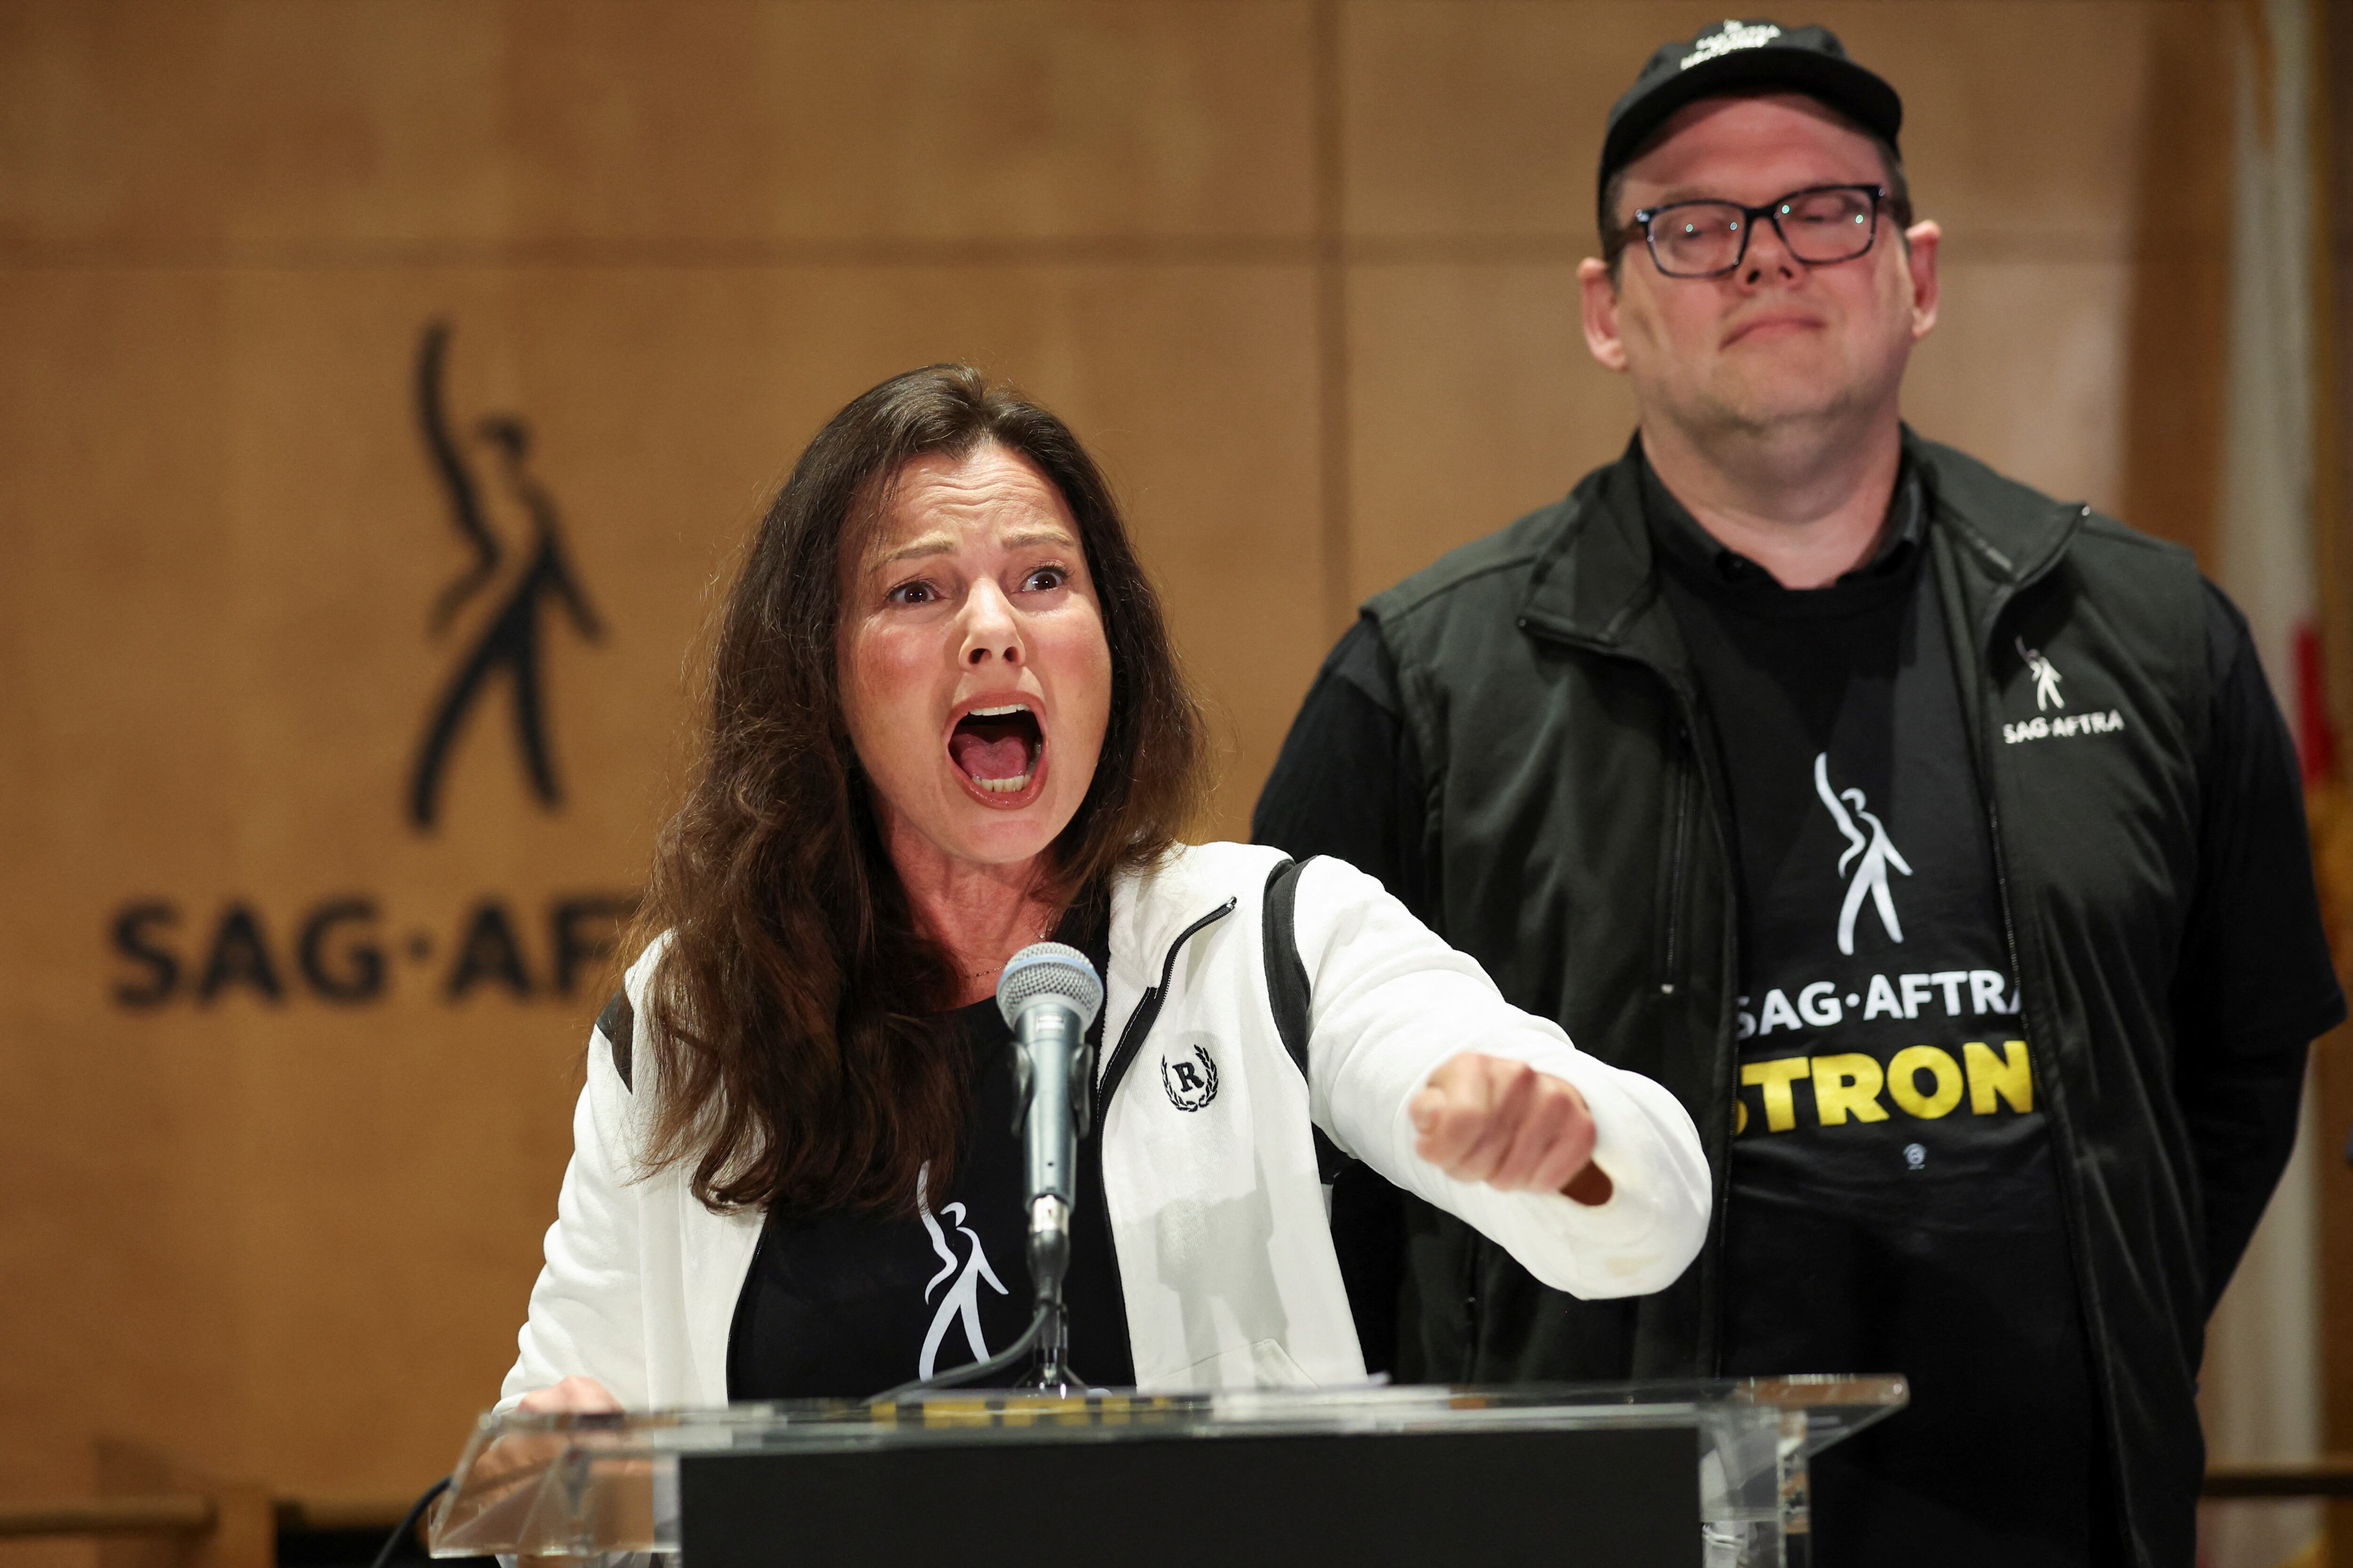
961,1299
1878,854
2046,677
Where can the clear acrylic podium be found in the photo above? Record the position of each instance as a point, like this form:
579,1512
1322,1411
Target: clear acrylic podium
1679,1475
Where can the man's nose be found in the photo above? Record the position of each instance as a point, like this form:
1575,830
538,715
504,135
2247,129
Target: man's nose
990,628
1769,254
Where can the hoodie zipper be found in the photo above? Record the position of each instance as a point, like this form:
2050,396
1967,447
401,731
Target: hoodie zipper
1671,943
1679,861
1147,1010
1687,769
2061,1123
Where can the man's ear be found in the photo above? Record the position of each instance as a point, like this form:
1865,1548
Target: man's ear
1920,243
1599,297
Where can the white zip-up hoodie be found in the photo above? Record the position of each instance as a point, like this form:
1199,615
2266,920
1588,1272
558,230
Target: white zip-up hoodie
1216,1210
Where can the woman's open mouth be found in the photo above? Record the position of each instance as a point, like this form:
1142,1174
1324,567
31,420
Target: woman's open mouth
997,748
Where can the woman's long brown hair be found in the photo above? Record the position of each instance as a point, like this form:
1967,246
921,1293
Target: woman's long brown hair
794,1017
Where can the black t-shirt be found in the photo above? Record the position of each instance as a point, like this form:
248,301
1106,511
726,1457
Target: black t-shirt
848,1303
1893,1205
1983,1252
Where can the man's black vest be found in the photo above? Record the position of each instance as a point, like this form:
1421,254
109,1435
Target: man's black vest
1579,850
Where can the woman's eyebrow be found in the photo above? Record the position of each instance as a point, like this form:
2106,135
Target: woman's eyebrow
932,545
929,544
1030,536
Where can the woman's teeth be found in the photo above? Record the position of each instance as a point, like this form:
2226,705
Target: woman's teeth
997,748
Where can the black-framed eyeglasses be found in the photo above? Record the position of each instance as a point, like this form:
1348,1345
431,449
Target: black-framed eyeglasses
1820,226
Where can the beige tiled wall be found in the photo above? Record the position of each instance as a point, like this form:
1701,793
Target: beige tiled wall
1472,400
1475,126
445,122
294,1237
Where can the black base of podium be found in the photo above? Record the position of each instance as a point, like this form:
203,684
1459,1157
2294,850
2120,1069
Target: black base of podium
1618,1499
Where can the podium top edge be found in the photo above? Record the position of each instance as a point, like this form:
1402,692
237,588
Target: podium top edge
1815,1393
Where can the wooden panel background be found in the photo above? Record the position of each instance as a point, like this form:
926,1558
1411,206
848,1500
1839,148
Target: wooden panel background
1301,270
2332,1078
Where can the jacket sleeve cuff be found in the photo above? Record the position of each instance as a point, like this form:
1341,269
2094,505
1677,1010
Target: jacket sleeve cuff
1655,1220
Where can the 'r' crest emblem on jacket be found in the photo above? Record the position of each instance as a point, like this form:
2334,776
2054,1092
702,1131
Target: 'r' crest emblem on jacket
1191,1079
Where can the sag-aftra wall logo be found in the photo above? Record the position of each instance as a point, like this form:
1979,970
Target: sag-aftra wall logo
515,601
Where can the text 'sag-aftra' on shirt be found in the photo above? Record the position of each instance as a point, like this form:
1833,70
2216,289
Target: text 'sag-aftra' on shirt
1893,1205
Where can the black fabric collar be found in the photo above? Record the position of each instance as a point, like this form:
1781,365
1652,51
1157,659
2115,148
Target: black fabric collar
1713,566
1593,575
1086,925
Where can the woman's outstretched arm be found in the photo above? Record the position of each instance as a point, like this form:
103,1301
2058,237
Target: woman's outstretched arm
1591,1176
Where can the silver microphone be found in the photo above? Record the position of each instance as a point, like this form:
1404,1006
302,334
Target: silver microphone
1050,995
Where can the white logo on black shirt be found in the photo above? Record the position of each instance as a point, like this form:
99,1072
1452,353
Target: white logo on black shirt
963,1297
2046,677
1877,852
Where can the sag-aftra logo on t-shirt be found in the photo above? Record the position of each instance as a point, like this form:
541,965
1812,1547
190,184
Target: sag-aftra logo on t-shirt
1877,1014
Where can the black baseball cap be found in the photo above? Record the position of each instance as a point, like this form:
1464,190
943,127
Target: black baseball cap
1746,57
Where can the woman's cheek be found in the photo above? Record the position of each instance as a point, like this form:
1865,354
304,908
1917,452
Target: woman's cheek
887,724
1098,707
1078,660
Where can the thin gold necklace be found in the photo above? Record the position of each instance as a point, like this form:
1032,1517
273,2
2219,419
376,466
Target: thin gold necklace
1052,919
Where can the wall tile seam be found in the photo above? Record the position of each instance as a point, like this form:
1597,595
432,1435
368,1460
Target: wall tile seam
1306,251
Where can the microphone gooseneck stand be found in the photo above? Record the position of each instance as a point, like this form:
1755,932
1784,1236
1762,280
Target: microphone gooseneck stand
1049,1259
1003,1361
1052,1118
1050,995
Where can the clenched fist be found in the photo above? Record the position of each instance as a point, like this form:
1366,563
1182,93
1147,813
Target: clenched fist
1484,1119
577,1394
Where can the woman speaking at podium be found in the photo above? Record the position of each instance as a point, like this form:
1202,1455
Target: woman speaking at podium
944,721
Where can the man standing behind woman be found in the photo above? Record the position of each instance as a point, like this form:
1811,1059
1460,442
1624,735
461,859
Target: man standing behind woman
1937,843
